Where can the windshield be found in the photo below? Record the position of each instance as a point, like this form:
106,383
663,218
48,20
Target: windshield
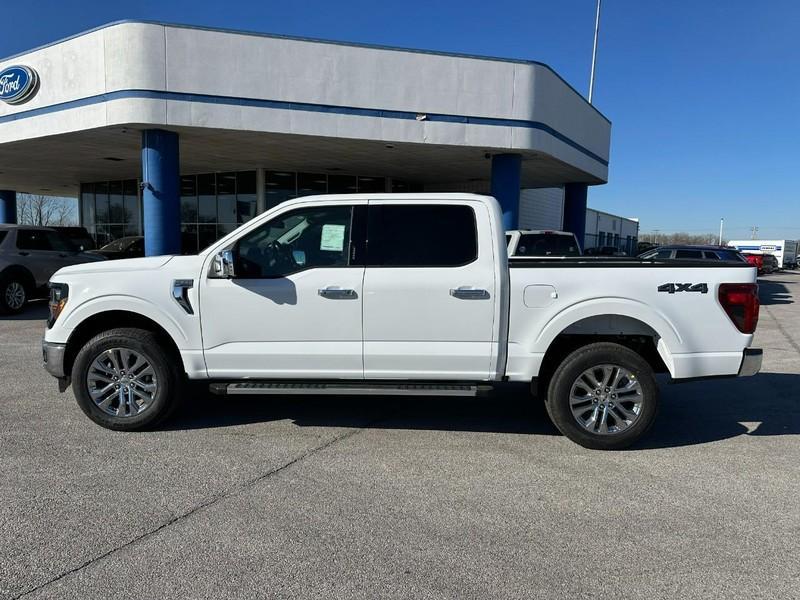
547,244
121,244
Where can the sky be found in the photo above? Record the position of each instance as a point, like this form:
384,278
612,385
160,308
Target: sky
702,95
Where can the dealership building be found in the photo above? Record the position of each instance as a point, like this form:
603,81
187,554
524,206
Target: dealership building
182,133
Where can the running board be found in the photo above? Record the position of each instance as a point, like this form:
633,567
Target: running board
349,389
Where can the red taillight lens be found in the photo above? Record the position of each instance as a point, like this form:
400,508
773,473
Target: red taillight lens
740,301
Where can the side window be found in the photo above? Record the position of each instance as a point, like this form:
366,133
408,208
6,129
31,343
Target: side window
424,235
688,254
711,255
56,241
300,239
2,236
664,254
32,239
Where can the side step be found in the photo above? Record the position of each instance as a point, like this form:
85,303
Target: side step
349,389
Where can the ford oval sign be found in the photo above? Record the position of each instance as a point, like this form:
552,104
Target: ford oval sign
18,84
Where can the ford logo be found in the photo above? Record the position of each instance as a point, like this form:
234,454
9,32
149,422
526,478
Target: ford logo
18,84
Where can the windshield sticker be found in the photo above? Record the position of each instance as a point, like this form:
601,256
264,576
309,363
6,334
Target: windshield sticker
332,238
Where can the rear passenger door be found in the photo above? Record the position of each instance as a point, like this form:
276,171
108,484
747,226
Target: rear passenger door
429,291
42,252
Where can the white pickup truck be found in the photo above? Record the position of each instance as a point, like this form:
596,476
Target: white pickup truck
368,294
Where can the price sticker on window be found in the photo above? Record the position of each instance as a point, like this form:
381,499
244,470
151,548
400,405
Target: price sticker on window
332,238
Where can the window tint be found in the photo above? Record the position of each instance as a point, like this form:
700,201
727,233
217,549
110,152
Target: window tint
421,236
32,239
711,255
688,254
663,254
547,244
300,239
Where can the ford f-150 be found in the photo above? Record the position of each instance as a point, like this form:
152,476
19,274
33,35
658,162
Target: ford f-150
369,294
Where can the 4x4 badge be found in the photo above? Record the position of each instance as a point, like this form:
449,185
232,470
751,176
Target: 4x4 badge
672,288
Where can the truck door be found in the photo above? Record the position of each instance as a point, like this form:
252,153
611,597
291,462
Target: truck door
429,291
293,309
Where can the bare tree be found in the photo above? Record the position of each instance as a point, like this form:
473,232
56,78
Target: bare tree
35,209
679,237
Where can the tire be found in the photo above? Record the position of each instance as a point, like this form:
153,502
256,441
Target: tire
620,413
141,365
13,294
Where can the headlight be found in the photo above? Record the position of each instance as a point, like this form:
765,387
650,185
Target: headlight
59,292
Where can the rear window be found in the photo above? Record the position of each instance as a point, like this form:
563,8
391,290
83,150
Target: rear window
547,244
421,236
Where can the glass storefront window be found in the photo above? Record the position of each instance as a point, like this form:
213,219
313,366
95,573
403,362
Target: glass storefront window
116,212
207,198
342,184
279,187
245,195
101,203
309,184
371,185
132,207
213,204
226,197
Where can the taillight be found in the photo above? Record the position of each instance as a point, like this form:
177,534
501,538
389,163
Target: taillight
740,301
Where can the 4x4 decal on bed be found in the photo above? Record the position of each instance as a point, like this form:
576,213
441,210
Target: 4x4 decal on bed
672,288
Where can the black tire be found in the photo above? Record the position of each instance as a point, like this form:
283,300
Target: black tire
166,397
13,283
593,356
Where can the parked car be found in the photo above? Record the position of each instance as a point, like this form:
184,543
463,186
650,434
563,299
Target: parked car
79,237
680,252
126,247
771,263
28,258
533,242
785,251
296,301
604,251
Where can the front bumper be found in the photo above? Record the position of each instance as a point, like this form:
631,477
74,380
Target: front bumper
53,356
751,362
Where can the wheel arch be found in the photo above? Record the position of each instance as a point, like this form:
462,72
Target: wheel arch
23,273
113,319
631,325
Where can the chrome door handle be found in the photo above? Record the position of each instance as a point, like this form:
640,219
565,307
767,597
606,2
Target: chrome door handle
337,293
469,293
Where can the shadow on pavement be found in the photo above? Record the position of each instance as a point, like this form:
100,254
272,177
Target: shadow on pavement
707,411
691,413
771,292
502,412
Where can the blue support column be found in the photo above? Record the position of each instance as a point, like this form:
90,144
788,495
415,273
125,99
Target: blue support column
575,210
161,192
8,207
506,170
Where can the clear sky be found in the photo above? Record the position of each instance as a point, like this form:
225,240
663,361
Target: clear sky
704,95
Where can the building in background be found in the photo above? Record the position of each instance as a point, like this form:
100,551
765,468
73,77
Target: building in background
605,229
182,133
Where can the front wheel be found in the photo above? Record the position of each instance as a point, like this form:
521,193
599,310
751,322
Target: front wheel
124,379
603,396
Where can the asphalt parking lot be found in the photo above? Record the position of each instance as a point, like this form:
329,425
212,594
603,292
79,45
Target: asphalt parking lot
411,498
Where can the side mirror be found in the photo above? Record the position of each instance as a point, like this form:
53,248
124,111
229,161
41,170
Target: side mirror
224,265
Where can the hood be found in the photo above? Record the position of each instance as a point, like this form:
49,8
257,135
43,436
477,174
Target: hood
148,263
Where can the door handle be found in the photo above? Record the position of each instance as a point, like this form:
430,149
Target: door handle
335,293
469,293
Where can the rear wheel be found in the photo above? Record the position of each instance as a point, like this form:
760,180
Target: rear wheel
124,379
13,294
603,396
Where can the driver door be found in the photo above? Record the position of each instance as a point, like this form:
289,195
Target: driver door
293,310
